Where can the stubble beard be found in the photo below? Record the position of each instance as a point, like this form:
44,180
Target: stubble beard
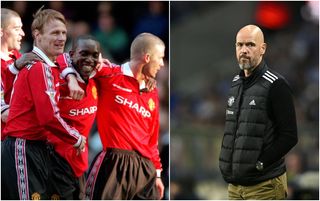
246,65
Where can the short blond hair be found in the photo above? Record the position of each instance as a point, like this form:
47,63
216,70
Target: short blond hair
6,15
44,16
144,43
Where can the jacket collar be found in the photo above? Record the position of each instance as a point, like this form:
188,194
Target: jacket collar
43,56
256,73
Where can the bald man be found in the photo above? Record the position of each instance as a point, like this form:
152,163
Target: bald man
129,166
260,124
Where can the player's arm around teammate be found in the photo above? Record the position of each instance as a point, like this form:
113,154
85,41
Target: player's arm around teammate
33,113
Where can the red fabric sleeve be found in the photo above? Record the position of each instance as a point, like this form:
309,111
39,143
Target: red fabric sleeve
155,137
65,64
8,77
44,92
108,70
8,84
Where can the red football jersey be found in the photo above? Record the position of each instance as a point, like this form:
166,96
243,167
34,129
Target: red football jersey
33,106
79,114
6,83
127,118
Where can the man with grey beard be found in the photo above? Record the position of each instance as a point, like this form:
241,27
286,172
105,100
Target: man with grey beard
260,124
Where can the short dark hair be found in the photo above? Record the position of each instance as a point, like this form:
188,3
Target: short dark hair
7,14
76,40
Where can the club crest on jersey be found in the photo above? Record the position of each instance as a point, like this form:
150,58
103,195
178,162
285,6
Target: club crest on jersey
151,104
35,196
230,101
94,92
55,197
135,106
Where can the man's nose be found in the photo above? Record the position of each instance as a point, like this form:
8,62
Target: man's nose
244,49
22,33
62,36
91,59
161,63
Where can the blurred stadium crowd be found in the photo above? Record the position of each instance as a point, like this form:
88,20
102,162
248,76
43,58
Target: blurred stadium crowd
115,25
203,62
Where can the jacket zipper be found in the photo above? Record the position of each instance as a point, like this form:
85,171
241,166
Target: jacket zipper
237,124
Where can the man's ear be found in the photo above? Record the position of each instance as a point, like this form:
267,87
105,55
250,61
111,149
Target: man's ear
263,48
35,33
71,53
1,32
147,58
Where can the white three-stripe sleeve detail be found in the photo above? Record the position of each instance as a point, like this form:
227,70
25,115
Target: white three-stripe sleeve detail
271,74
267,78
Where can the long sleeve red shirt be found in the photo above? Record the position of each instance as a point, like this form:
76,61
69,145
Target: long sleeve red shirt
127,118
6,83
77,113
33,106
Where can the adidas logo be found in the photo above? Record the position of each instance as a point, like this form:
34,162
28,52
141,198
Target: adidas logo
252,102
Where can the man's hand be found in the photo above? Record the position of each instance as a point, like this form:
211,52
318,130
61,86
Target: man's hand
76,92
151,83
82,146
4,116
25,59
160,187
103,62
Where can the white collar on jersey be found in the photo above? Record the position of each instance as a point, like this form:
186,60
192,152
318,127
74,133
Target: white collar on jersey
43,56
126,70
4,56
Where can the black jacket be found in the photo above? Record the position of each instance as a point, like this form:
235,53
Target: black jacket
255,127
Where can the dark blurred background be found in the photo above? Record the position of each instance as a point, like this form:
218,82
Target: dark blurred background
115,25
203,64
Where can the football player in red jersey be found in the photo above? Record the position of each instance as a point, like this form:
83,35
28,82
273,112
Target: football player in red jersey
83,59
25,167
11,37
12,61
129,166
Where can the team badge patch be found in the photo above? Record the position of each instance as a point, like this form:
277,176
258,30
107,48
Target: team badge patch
151,104
35,196
94,92
230,101
55,197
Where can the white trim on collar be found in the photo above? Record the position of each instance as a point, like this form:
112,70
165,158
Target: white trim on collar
126,70
4,56
43,56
